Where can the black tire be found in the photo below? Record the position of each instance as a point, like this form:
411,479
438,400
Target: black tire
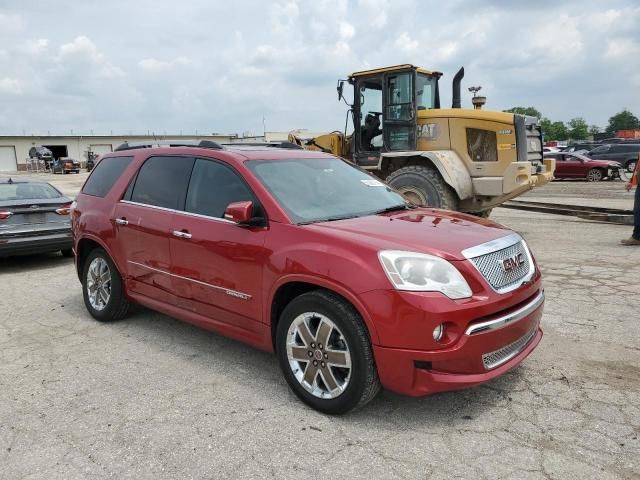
364,383
424,186
117,305
67,253
595,175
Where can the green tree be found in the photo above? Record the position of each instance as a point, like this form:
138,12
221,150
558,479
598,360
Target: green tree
560,131
578,129
622,121
594,129
547,129
525,111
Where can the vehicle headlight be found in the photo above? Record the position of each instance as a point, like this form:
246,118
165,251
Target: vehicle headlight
419,272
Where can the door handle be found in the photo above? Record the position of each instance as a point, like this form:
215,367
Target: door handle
122,221
181,234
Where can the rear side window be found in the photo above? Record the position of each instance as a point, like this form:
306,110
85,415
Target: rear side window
162,182
213,187
601,149
630,148
104,175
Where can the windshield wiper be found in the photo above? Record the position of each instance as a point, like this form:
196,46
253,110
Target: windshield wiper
330,219
393,208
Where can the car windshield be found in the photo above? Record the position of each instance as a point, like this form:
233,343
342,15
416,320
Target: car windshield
323,189
27,191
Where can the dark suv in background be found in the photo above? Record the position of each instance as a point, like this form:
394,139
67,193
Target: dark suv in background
625,153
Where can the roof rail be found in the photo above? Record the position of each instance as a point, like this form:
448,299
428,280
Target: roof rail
289,145
169,143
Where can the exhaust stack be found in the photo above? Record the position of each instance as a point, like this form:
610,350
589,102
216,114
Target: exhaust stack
455,99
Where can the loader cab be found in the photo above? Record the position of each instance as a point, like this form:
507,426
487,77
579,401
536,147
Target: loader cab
384,109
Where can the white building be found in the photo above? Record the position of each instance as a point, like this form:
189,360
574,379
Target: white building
14,150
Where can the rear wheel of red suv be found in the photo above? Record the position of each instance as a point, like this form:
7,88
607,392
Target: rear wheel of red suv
325,353
102,287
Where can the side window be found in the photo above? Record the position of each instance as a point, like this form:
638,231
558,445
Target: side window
162,182
213,187
601,149
104,175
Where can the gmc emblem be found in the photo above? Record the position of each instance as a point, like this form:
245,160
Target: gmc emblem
509,264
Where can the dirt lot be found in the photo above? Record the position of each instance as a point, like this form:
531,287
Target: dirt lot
150,397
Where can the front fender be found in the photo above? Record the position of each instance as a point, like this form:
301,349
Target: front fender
333,271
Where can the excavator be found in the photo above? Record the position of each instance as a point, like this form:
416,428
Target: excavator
465,159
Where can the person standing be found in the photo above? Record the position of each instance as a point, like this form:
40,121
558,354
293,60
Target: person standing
635,236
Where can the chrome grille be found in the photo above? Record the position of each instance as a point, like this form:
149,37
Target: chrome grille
494,359
490,266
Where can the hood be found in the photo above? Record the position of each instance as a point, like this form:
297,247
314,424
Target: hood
425,230
611,163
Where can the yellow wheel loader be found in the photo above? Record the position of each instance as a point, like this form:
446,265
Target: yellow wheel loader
459,159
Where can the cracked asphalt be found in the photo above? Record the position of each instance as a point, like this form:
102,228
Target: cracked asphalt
151,397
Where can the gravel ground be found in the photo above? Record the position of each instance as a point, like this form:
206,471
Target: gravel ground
151,397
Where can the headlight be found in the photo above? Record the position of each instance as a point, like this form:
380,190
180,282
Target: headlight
419,272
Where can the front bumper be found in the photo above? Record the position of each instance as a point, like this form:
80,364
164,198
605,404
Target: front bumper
52,242
485,339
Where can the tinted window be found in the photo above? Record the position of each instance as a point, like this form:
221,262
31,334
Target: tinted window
27,191
630,148
601,149
104,175
213,187
162,182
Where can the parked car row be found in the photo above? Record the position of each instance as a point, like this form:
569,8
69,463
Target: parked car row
579,165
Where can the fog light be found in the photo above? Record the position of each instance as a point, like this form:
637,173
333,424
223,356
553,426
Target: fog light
438,332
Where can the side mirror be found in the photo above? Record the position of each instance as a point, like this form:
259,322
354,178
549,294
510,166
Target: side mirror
239,212
339,88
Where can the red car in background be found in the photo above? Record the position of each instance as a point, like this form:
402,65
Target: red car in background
577,165
304,254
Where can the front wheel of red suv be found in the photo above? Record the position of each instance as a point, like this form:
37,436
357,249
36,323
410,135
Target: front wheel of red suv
325,353
102,288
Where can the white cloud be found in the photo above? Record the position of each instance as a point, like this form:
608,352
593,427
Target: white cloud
10,86
623,48
153,64
210,71
406,43
347,31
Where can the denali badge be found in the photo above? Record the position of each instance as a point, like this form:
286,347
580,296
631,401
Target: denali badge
509,264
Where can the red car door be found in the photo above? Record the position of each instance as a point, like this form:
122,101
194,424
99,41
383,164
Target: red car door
143,220
216,264
574,167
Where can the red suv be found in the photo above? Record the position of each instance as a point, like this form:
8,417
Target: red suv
305,254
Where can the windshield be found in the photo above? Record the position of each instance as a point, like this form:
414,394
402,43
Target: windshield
321,189
425,92
27,191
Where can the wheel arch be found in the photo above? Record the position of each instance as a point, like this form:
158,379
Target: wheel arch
293,286
84,246
448,163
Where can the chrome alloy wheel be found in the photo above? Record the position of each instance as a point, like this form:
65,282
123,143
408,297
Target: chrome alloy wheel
318,355
99,283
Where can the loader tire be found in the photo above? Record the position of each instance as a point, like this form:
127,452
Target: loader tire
423,186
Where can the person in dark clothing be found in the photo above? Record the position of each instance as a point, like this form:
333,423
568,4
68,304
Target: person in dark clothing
635,236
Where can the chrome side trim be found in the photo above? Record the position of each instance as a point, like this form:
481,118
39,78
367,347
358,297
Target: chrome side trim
228,291
492,246
500,322
181,212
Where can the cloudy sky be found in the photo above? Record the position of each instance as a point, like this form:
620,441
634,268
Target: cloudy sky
220,66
